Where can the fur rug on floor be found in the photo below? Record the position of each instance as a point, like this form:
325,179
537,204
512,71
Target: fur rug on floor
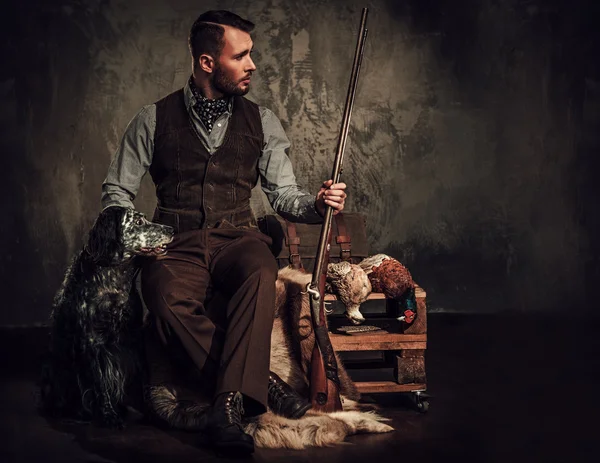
178,403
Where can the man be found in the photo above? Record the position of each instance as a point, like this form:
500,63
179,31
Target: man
206,147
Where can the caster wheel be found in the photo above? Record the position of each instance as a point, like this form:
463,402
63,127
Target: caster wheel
420,402
423,406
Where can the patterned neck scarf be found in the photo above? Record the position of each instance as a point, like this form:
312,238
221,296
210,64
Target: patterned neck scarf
208,110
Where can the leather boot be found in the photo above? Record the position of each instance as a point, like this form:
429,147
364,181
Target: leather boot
224,425
285,401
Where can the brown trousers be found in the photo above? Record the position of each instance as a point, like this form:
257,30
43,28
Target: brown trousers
230,345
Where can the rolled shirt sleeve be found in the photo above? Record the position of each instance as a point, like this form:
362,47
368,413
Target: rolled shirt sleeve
131,160
277,176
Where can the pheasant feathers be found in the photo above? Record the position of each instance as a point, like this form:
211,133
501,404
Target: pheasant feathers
379,273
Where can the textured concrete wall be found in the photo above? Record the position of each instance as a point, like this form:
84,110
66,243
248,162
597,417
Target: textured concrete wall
470,147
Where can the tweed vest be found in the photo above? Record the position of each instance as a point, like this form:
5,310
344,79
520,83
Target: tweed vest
195,189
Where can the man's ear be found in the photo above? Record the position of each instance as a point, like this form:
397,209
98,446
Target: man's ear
207,63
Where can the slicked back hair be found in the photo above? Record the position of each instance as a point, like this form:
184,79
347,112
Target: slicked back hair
206,35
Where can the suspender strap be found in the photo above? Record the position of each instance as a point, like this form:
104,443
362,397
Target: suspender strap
293,242
343,239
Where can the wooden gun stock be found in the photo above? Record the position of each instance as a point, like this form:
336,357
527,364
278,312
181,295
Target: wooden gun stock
324,381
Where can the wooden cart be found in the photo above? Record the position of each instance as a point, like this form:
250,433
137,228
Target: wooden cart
401,346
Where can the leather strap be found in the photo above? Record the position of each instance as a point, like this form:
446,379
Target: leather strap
293,242
343,239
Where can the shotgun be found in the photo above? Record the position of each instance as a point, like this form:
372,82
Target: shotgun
324,381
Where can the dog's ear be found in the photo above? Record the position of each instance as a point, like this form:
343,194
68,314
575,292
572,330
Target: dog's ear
104,241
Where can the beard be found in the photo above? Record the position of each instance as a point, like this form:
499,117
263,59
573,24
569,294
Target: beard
224,84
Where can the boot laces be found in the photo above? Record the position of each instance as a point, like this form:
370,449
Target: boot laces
277,392
234,410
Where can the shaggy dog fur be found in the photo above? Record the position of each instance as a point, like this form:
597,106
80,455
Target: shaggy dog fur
96,320
176,404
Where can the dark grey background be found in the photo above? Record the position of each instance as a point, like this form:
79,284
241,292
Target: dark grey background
472,150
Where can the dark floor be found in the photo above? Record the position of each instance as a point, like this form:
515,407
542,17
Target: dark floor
505,389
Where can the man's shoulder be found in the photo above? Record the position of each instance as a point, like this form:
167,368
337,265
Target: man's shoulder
170,97
265,112
245,102
267,116
270,121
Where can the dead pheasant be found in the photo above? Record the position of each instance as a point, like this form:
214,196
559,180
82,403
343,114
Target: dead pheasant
390,277
351,284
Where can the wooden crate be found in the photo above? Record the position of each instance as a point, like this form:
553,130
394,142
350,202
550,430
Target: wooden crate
404,346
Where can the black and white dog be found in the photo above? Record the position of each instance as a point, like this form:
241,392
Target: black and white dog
97,317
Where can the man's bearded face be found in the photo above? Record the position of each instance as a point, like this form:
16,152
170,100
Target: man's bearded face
234,67
224,82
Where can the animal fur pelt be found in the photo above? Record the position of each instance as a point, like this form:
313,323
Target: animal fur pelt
177,404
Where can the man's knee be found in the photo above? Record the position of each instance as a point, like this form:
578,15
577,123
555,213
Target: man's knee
269,267
258,262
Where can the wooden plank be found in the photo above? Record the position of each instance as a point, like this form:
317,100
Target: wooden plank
357,346
366,387
378,336
371,296
419,294
412,353
372,341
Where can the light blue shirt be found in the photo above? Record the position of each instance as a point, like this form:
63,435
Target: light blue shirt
134,156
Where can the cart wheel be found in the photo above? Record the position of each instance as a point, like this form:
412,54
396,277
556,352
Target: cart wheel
419,398
423,406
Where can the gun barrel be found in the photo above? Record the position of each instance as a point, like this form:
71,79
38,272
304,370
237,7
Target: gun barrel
341,146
